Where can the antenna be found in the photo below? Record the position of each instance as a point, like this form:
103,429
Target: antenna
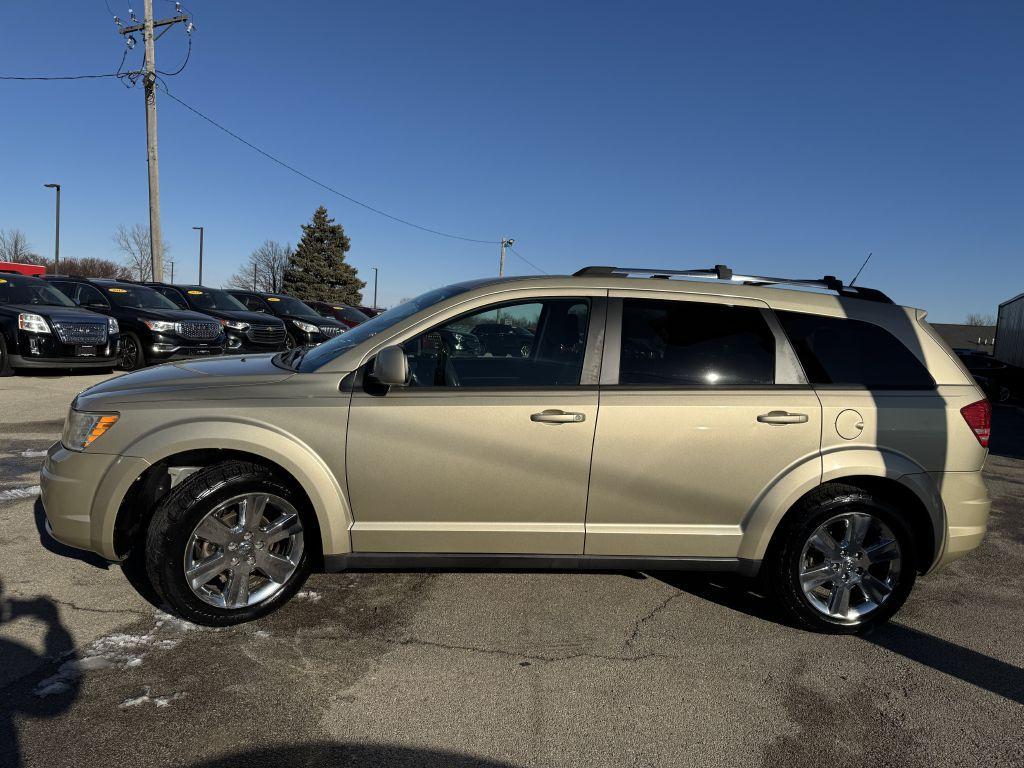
861,268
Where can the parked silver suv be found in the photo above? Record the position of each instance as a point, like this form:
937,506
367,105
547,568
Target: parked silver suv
820,437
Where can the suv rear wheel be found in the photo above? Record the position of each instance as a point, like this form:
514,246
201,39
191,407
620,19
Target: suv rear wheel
228,545
844,561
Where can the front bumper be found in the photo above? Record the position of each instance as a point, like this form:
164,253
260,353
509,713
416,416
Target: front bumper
82,493
239,343
165,349
45,350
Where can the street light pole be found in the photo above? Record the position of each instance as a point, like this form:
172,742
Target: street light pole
172,271
56,241
374,287
200,254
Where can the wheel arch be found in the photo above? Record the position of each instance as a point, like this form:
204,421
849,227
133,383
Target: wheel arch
294,462
886,474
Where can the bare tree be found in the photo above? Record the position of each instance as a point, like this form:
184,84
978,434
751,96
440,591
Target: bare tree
133,244
14,247
90,266
978,319
264,269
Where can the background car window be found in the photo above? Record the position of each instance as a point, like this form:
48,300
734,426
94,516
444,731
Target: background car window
691,343
89,296
173,295
211,298
529,344
137,297
837,350
255,304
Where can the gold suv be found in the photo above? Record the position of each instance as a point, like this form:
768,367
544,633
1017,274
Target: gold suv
817,436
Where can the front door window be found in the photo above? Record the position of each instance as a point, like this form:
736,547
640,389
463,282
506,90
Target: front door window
535,344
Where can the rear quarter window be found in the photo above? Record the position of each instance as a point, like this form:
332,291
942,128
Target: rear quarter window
841,351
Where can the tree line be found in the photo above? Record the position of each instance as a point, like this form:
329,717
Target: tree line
315,270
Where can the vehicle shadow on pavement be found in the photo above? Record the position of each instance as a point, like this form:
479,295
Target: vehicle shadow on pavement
742,595
17,700
326,754
52,545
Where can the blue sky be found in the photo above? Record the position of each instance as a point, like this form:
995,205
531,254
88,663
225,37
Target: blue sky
779,138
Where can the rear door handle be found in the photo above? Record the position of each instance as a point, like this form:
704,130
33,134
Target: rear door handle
557,417
782,417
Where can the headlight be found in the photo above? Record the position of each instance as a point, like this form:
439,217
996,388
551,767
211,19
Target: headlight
237,325
160,326
28,321
81,428
307,327
112,325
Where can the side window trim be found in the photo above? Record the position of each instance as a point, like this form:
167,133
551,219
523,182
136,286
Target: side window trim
788,369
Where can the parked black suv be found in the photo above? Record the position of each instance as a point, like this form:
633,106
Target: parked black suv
304,325
40,327
344,314
247,331
152,327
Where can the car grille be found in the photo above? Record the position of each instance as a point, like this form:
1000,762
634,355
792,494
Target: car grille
81,333
330,330
199,330
266,334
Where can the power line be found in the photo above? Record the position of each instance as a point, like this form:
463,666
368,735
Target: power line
517,253
327,187
184,64
60,77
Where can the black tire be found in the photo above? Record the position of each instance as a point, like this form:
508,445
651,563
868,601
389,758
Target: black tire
781,571
132,357
5,359
290,342
177,517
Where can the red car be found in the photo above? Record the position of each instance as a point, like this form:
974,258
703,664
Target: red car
346,315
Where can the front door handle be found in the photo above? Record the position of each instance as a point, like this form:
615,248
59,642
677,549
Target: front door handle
557,417
782,417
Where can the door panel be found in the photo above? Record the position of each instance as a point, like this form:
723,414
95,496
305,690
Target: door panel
676,472
702,410
451,471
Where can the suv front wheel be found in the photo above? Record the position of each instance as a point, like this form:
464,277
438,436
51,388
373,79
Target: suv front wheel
229,544
843,562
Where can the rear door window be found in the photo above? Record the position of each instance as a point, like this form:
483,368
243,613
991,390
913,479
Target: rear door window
689,343
841,351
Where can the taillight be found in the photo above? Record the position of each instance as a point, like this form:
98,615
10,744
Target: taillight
979,418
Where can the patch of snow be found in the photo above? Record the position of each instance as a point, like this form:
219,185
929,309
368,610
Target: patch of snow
308,594
33,454
10,494
262,634
145,698
123,650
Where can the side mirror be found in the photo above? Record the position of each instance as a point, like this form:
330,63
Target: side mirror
391,367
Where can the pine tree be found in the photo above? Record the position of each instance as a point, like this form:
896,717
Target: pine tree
317,270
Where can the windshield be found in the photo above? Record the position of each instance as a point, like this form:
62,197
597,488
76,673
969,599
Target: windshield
212,298
351,314
25,292
310,359
286,305
138,297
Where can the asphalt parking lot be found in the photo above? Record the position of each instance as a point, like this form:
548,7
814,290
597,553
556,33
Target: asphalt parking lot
494,669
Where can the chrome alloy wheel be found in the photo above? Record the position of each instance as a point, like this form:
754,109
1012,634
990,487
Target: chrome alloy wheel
850,566
244,551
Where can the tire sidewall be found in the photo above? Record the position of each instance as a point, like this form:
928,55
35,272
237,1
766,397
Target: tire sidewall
140,361
172,527
784,570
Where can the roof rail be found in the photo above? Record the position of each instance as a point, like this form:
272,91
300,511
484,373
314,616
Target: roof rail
722,272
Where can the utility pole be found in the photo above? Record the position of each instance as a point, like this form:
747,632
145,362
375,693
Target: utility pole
149,81
200,254
505,243
56,241
374,287
172,271
254,278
